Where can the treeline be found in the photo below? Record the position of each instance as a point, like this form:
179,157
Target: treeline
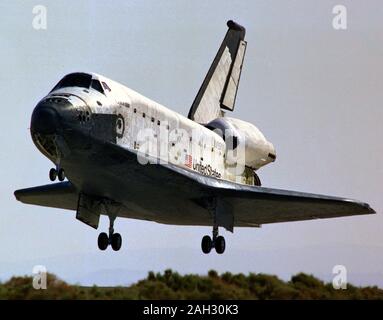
171,285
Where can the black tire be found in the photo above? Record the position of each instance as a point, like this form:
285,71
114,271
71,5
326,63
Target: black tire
103,241
220,245
206,244
52,174
61,175
116,241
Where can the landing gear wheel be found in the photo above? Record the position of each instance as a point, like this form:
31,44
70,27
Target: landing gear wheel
52,174
103,241
61,175
116,241
220,244
206,244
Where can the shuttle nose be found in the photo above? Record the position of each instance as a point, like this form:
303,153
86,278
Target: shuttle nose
51,118
52,115
45,119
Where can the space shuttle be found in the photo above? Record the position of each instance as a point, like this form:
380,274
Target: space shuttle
119,154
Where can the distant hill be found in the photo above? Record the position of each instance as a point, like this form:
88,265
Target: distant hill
171,285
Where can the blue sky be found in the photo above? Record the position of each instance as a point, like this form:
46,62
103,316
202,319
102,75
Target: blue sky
314,92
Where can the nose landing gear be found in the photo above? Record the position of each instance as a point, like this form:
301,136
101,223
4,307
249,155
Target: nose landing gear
52,174
57,173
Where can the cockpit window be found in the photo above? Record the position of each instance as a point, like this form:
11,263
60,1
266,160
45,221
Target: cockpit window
96,85
74,80
106,87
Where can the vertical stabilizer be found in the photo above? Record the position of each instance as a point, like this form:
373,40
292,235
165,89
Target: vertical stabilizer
219,88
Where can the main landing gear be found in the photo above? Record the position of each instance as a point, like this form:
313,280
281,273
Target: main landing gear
57,173
217,242
113,239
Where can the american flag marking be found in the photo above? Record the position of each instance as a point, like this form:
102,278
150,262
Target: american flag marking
188,160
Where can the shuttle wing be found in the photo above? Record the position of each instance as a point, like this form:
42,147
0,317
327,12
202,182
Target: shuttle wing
251,206
219,88
58,195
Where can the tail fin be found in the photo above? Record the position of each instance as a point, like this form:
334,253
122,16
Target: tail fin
219,88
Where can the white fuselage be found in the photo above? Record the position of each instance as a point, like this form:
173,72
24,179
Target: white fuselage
156,132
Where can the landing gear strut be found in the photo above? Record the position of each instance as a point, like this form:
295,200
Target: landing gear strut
113,239
217,242
57,173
